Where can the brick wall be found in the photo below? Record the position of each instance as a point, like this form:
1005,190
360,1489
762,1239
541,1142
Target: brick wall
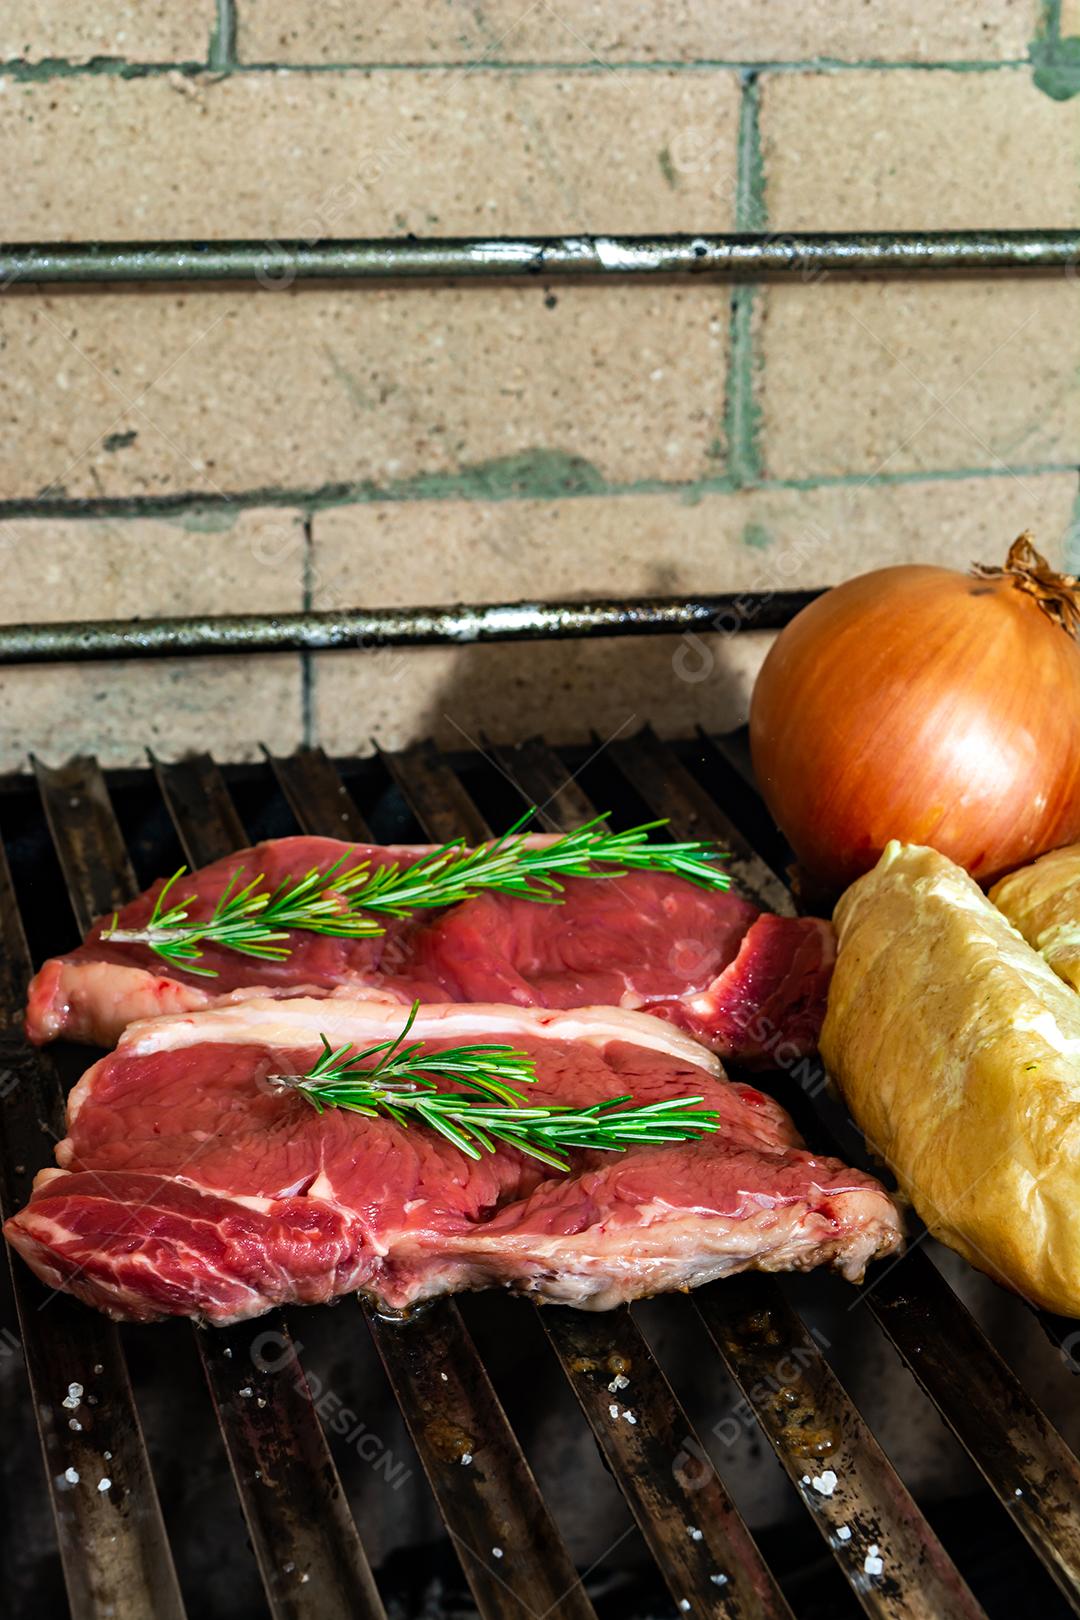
174,450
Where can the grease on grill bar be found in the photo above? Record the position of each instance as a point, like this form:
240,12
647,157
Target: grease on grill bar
307,1547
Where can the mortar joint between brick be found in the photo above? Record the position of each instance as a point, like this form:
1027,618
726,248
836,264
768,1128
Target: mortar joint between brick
741,414
60,67
221,51
307,661
309,502
1050,22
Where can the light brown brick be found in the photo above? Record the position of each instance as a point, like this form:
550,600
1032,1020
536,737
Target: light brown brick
918,151
270,155
491,551
134,30
55,570
564,693
899,376
613,31
119,568
903,375
246,389
753,541
175,706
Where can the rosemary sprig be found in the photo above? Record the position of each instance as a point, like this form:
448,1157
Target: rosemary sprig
533,872
256,921
253,921
402,1084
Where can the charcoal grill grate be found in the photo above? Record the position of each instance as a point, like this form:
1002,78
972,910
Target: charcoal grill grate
113,1545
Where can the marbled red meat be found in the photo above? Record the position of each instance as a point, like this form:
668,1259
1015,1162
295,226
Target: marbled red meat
706,960
192,1184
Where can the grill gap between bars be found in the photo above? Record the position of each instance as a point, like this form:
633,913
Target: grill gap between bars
305,1542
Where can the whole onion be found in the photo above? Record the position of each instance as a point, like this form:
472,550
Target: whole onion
927,705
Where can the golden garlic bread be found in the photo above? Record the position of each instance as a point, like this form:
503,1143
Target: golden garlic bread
957,1050
1043,901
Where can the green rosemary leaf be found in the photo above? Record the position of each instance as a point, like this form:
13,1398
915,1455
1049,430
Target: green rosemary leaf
400,1082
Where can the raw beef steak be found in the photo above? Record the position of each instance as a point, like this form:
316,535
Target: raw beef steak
192,1184
749,984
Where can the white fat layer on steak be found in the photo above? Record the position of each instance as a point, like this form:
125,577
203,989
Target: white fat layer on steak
290,1024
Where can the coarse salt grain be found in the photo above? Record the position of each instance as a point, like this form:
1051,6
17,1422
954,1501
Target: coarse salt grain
107,1456
824,1483
684,1605
693,1532
806,1479
246,1391
844,1533
73,1423
71,1475
718,1580
620,1381
105,1483
873,1563
466,1458
496,1552
613,1409
629,1416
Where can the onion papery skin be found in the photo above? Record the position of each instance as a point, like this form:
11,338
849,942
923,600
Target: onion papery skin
922,704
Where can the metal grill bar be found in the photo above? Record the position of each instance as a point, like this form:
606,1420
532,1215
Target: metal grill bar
812,1422
592,1348
309,1554
442,1388
91,640
809,254
1019,1453
115,1554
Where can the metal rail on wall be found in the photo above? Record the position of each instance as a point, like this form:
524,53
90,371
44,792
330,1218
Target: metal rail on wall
745,255
278,264
81,641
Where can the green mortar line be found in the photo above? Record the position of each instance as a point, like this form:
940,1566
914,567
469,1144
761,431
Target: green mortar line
1071,559
114,67
213,514
221,54
1056,61
742,417
307,662
222,59
697,64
